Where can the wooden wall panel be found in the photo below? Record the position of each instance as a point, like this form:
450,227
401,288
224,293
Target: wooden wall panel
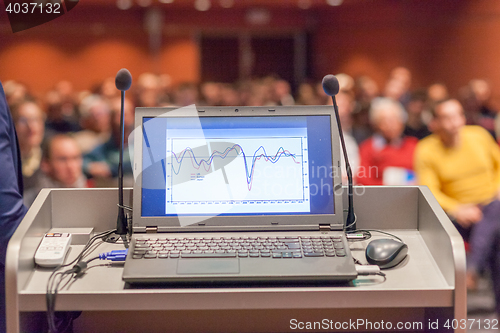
447,40
452,41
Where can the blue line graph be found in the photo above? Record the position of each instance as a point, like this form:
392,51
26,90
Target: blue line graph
207,162
205,173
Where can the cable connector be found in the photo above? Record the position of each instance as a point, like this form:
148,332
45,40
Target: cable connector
355,236
116,255
368,269
79,269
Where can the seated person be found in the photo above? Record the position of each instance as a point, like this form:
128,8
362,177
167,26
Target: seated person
101,164
386,158
61,166
461,166
480,107
345,103
61,110
95,115
29,120
415,125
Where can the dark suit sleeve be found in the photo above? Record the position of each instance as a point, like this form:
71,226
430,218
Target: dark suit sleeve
12,209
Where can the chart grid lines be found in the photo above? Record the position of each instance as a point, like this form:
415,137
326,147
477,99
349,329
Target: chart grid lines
213,154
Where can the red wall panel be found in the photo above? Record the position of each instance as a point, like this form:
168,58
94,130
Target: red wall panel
452,41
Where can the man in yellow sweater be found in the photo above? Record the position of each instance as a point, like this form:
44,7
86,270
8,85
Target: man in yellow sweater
461,166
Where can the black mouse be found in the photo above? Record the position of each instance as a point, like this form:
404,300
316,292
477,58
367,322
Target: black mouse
385,253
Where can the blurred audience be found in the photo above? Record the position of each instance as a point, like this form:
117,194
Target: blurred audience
148,90
95,121
165,86
107,89
346,82
479,110
435,93
386,158
61,108
211,93
306,95
345,103
102,162
283,93
29,121
321,97
185,94
399,84
61,166
366,89
88,116
15,92
461,166
229,95
417,111
72,138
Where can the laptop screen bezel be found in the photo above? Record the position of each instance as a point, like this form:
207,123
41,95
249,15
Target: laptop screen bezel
237,222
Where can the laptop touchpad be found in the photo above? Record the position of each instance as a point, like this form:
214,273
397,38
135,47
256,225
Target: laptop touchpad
208,266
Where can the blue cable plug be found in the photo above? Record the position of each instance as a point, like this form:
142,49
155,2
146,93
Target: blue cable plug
116,255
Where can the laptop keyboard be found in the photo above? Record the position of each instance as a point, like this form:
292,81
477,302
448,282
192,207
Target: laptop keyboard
242,247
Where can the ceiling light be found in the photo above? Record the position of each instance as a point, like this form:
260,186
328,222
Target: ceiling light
124,4
334,2
202,5
258,16
166,1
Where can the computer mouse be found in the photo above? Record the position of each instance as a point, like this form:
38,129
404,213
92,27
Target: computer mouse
385,252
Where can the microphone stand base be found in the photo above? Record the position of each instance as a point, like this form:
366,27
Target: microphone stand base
114,237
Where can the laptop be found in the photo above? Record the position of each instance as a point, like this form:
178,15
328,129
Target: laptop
237,195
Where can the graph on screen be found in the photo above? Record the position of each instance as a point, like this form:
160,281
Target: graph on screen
245,174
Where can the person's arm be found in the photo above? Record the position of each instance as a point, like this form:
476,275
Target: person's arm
427,175
94,164
12,209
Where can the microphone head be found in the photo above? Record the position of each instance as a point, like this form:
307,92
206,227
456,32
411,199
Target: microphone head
331,85
123,79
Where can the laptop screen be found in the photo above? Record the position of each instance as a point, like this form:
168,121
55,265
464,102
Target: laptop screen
231,166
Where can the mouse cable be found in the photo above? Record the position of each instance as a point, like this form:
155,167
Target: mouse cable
382,274
368,232
365,270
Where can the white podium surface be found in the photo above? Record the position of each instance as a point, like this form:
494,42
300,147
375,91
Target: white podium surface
427,288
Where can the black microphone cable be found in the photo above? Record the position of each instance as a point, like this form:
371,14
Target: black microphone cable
62,322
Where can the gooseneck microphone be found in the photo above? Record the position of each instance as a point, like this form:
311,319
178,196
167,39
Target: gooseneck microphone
331,88
123,81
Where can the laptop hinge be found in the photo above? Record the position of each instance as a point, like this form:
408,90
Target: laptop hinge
151,230
325,227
